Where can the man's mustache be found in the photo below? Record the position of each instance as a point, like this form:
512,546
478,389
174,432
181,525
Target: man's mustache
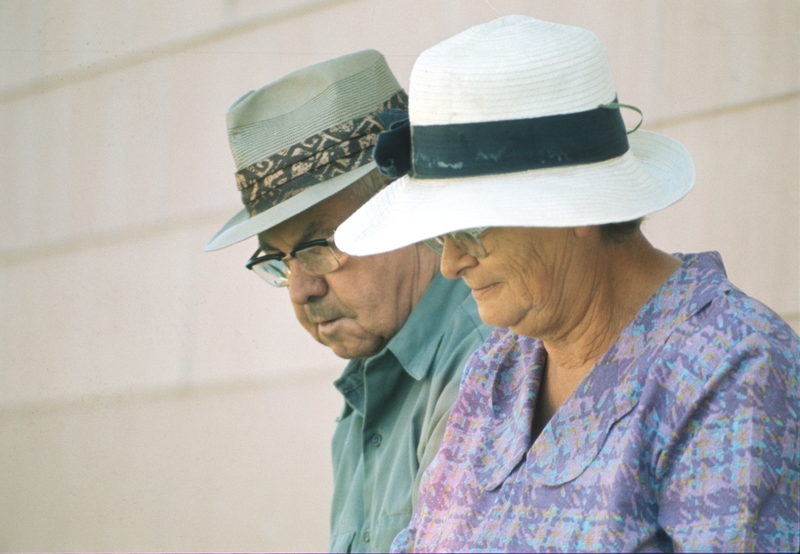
318,312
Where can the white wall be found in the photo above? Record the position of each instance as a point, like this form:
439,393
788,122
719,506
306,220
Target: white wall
153,397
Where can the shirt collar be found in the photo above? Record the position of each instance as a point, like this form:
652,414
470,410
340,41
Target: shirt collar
612,389
572,439
415,345
417,342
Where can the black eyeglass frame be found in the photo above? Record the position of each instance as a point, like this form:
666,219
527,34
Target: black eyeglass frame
280,256
328,243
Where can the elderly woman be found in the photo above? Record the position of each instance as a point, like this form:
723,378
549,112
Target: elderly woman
629,399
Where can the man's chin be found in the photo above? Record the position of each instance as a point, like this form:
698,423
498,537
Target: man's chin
349,347
348,351
347,339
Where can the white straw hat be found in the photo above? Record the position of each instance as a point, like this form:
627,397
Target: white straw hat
514,123
305,137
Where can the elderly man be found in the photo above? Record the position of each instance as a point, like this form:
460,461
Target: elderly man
303,152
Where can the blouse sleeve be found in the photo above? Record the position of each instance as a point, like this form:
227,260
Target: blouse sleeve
730,472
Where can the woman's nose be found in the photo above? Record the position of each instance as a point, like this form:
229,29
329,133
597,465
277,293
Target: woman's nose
455,261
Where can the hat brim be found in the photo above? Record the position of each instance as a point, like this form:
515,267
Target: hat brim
656,172
241,227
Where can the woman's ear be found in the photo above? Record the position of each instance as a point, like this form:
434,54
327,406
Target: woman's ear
584,231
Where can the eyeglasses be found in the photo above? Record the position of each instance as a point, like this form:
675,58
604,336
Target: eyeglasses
317,256
467,240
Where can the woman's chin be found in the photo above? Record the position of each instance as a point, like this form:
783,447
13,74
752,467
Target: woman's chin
493,318
507,317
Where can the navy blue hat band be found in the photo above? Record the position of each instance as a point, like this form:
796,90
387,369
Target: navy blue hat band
498,147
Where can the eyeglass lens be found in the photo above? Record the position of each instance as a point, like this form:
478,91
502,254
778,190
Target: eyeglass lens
467,241
273,272
318,259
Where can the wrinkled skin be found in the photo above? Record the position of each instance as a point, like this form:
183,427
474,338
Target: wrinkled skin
567,287
358,308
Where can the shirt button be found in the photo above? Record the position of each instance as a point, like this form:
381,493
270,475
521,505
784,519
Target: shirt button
376,440
366,535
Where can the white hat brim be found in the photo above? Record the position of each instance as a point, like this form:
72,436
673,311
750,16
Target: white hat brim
656,172
241,227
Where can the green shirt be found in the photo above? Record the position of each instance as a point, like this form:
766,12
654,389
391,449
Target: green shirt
395,412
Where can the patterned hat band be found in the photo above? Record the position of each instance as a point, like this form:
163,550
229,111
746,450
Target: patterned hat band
334,151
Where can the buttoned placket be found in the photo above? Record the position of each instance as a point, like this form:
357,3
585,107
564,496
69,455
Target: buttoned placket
381,377
378,391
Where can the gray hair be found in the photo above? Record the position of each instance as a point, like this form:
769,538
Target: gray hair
368,186
619,232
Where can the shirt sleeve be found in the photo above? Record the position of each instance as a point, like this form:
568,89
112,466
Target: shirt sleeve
446,381
433,433
730,471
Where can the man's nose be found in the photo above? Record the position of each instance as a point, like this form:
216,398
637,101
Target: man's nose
455,261
304,285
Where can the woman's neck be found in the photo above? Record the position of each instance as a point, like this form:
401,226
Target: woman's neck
609,289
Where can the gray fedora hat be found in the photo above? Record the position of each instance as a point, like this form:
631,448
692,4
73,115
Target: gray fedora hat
305,137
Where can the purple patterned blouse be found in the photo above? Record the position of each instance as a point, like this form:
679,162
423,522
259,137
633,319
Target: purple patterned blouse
683,437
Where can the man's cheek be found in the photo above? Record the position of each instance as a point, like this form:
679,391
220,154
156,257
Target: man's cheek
307,325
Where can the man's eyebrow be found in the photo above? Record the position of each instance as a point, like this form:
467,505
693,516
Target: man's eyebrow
314,230
266,247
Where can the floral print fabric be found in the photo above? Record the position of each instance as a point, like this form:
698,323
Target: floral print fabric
684,437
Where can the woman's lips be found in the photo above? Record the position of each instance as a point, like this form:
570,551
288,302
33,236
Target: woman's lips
480,292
